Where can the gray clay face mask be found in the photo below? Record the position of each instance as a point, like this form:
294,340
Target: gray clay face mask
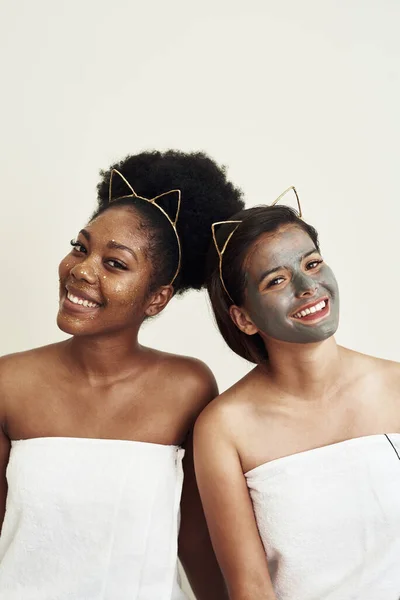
291,294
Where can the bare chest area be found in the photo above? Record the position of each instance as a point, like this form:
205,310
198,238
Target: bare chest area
130,410
300,424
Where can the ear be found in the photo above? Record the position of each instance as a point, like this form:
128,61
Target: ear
242,320
159,300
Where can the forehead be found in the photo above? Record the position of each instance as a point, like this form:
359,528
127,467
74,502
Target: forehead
281,248
121,224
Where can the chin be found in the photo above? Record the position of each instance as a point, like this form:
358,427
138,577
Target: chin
324,334
72,326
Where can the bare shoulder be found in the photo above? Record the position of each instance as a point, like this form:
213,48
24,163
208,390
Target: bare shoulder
192,371
21,369
229,408
187,377
389,371
374,376
371,365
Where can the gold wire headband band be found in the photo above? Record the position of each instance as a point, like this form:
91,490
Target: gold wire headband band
152,201
221,251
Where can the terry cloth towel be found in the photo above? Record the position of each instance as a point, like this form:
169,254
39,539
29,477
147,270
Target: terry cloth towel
91,519
329,519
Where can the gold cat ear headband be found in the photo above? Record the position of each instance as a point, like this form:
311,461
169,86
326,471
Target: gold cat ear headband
221,250
152,201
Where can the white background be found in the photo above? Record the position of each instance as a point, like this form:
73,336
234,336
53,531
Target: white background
283,92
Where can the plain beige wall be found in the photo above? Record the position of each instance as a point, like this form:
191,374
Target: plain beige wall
287,92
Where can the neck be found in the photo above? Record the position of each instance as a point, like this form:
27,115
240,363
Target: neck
312,371
104,359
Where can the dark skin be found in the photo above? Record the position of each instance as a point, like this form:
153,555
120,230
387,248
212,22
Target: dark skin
101,383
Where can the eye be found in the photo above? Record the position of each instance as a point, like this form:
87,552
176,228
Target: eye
313,264
275,281
116,264
77,246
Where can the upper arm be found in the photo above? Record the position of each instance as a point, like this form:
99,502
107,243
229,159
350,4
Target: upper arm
193,386
200,383
229,511
195,549
4,446
201,389
4,455
193,528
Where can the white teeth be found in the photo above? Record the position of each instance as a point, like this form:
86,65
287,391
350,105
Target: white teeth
72,298
311,310
76,300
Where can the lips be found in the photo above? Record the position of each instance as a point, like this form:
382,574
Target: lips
312,310
79,300
81,294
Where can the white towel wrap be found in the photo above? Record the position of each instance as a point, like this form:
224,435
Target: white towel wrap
329,519
91,519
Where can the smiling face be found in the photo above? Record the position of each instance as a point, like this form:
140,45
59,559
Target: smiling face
291,294
104,280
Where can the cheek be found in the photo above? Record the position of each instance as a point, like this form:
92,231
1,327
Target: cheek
269,310
127,295
328,280
261,307
65,266
124,294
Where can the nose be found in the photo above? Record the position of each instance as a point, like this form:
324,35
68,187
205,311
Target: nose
305,286
84,271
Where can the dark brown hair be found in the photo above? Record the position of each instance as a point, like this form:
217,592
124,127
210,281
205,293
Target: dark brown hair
254,222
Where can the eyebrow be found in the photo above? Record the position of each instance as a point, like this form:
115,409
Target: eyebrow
118,246
112,244
270,271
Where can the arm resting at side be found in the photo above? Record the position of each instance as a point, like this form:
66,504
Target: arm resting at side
228,508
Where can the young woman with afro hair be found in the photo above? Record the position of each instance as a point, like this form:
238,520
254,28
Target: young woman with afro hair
94,428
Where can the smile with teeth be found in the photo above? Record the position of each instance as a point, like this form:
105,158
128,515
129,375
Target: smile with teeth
77,300
309,311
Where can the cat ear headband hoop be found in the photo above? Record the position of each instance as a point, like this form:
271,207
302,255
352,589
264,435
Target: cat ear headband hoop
154,202
221,250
